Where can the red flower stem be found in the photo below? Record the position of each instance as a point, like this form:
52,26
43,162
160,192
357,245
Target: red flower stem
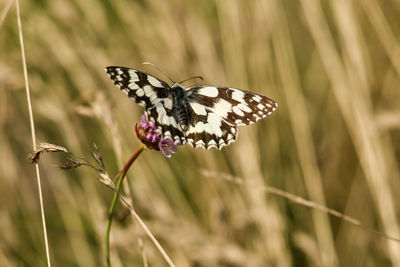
129,163
121,174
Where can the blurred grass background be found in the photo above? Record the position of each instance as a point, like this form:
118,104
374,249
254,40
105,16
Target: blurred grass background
333,67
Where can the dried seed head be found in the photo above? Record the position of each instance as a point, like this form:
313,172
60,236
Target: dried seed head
70,164
45,147
96,154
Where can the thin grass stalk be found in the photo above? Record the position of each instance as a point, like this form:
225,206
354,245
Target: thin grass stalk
144,257
148,232
33,133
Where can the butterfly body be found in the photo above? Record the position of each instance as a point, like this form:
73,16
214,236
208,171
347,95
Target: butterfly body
180,102
202,116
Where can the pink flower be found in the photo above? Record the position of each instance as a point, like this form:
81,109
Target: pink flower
167,146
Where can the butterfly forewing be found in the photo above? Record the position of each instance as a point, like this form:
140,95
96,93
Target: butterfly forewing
145,89
213,112
153,94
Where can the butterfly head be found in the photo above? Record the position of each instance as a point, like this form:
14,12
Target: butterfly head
177,86
184,127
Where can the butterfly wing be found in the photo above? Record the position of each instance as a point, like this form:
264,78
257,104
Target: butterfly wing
143,88
215,113
151,93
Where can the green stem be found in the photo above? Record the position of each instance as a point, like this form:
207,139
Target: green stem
120,175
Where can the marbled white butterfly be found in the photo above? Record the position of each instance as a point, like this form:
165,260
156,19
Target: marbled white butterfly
202,116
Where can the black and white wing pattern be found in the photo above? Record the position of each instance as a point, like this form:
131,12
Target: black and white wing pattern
217,111
151,93
202,116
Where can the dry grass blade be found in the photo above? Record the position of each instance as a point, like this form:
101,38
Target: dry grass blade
144,257
296,199
33,133
349,83
302,129
125,202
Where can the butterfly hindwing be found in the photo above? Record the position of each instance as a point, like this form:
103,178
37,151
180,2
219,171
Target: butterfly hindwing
166,123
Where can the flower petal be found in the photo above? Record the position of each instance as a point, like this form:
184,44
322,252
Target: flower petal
167,146
173,148
155,138
143,122
149,136
166,153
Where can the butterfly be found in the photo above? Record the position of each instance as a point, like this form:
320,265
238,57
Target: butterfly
202,116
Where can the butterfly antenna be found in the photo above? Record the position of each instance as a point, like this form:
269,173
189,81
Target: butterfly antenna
194,77
151,64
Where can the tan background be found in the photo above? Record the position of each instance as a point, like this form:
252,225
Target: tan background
333,67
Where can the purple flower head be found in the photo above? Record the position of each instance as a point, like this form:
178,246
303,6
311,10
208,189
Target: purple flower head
153,139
